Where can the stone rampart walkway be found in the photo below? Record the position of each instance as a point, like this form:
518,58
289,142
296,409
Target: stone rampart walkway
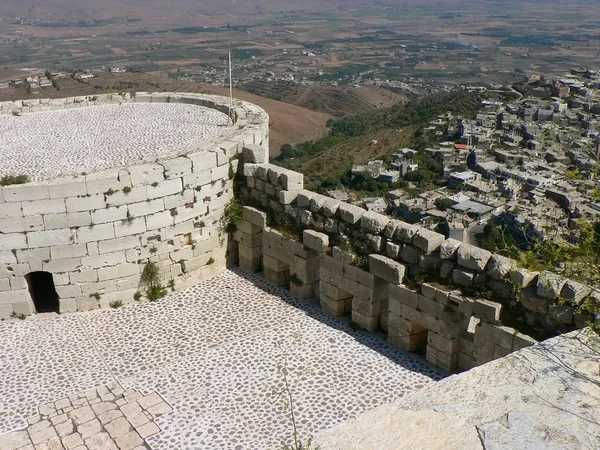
195,370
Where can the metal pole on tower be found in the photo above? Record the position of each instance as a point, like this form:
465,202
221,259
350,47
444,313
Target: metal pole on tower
230,68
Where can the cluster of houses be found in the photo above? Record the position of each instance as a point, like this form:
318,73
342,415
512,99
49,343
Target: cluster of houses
531,164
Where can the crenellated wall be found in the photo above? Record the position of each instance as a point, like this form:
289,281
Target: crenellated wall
422,289
94,233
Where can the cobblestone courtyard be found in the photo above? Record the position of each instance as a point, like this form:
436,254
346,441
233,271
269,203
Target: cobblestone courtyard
195,370
44,145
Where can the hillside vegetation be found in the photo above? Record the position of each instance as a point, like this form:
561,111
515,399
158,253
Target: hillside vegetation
326,162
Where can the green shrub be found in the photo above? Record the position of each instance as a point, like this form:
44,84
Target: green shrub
137,296
210,261
127,189
7,180
116,304
96,295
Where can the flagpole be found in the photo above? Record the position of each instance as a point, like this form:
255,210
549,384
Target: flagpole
230,68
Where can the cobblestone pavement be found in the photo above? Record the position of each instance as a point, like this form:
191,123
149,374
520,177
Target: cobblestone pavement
46,144
208,357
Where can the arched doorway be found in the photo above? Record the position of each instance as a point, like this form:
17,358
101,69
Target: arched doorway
43,292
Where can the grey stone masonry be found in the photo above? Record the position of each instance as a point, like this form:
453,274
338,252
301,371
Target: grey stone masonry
94,233
435,319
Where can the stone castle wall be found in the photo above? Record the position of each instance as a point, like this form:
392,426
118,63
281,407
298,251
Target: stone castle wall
389,289
94,233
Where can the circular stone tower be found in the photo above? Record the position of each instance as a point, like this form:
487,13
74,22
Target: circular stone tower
118,184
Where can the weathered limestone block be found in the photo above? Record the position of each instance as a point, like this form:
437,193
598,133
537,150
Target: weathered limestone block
292,181
341,255
521,341
500,267
350,213
550,285
250,170
374,222
405,232
533,302
254,216
331,226
487,311
386,268
51,206
22,224
563,314
331,207
446,269
523,278
274,174
390,229
410,254
404,295
473,257
428,241
26,192
263,172
392,250
49,238
317,202
449,248
167,187
304,198
252,153
176,167
575,292
502,289
306,217
315,240
463,277
430,262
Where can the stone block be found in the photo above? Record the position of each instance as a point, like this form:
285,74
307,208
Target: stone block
575,292
446,269
359,275
550,285
386,268
22,224
523,278
252,153
500,267
63,188
176,167
449,249
254,216
362,321
430,263
61,265
487,311
521,341
533,302
51,206
410,254
292,181
405,232
473,257
563,314
350,213
331,207
49,238
287,197
315,240
428,241
404,295
463,277
304,198
25,192
85,203
105,215
392,250
165,188
130,227
68,220
146,174
10,210
374,222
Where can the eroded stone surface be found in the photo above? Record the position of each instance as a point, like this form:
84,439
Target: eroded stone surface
210,354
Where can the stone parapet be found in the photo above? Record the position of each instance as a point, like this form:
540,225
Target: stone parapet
94,233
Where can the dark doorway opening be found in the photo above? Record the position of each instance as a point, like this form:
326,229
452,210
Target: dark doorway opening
43,292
